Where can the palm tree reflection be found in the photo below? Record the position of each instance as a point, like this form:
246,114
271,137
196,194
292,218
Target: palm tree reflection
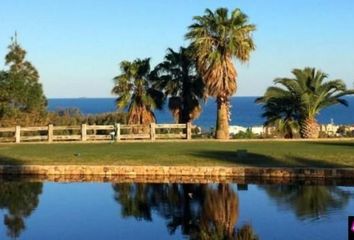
309,202
19,199
201,211
220,213
133,199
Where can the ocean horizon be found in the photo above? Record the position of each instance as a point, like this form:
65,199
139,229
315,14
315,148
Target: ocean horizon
244,111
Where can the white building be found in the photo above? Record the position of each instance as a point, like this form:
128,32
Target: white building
236,129
258,130
255,129
329,129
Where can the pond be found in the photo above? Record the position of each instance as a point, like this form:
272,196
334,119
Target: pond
50,210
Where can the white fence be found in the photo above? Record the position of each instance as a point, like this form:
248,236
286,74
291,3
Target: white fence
84,132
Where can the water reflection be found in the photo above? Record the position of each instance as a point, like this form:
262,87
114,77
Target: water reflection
309,202
201,211
197,211
19,199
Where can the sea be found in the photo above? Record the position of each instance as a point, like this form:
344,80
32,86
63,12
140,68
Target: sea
244,111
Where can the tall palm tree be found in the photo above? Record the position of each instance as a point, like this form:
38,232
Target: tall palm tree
307,94
133,87
177,77
216,38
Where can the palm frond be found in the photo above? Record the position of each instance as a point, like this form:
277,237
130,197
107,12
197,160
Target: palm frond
135,92
216,38
177,77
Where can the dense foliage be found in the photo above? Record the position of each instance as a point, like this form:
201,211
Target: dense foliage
73,116
21,95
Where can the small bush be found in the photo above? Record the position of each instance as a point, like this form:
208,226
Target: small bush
245,135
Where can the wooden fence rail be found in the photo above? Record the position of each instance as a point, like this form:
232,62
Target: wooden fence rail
117,132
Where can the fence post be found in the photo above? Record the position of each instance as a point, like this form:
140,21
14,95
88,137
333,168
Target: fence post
83,132
189,131
94,130
117,132
17,134
50,133
152,131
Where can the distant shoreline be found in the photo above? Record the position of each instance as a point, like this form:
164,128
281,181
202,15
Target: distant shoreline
245,112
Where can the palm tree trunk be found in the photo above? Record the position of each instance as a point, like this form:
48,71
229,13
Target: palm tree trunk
184,114
309,128
289,131
222,120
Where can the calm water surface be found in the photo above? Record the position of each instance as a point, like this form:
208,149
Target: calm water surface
173,211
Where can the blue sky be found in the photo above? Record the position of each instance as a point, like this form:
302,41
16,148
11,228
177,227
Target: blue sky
77,45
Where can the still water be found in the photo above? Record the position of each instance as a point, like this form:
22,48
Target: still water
173,211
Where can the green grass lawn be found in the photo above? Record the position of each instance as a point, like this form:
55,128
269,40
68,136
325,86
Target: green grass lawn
195,153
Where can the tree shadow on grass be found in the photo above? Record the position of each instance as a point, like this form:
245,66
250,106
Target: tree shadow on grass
335,143
6,160
9,171
249,159
308,162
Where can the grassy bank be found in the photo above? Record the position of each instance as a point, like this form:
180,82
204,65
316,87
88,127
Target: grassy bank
196,153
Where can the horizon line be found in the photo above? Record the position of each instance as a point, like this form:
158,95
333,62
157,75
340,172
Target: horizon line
116,97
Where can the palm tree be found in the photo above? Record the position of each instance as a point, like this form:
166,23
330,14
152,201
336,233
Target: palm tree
134,91
306,95
280,113
177,77
216,38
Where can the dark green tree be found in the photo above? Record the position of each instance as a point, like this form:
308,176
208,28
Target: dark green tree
22,99
177,77
281,113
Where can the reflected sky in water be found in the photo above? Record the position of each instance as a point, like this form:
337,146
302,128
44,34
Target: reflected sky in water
173,211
